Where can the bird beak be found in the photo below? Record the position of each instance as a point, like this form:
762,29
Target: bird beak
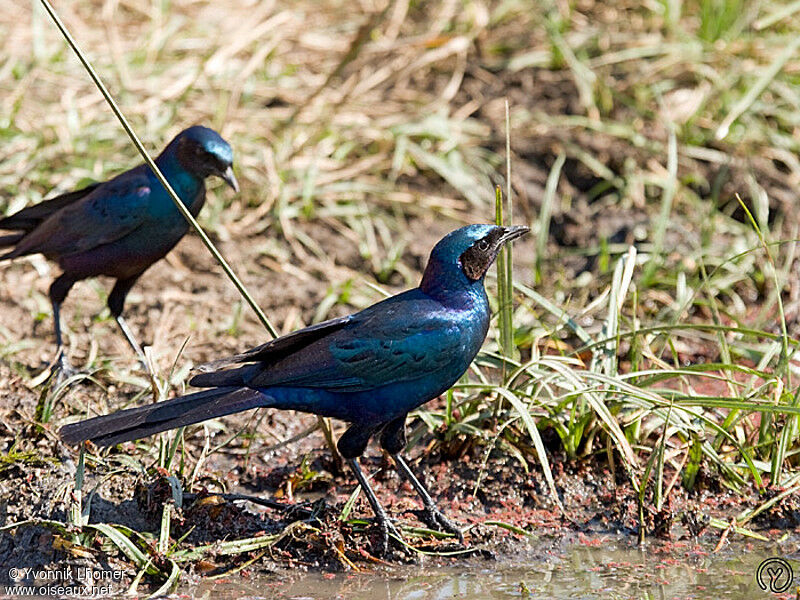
512,233
229,178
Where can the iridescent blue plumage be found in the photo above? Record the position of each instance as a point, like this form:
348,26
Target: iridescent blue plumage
369,369
385,361
122,226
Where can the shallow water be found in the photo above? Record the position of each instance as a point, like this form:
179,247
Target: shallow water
597,569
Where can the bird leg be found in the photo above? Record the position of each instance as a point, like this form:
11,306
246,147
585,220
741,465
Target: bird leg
62,368
393,440
126,331
431,515
351,445
384,524
116,302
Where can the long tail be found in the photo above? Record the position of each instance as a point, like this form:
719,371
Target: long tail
9,240
135,423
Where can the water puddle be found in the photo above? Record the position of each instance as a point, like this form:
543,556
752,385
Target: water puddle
597,569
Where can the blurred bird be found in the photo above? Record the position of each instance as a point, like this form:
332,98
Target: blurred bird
121,226
369,369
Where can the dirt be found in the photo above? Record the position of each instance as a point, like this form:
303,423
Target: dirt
597,500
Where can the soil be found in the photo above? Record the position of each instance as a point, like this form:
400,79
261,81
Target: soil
185,300
127,490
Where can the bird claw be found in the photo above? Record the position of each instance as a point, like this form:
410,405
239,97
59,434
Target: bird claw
305,511
387,527
62,370
435,519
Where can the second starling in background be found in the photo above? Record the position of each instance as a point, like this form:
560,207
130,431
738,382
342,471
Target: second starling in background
119,227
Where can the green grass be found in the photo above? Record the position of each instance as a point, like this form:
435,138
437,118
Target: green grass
660,339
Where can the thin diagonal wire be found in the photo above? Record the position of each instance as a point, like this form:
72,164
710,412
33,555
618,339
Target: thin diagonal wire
150,163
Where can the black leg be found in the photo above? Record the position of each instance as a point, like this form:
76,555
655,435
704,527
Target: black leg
57,328
385,525
58,292
393,435
353,442
116,302
351,445
431,515
393,440
126,331
63,368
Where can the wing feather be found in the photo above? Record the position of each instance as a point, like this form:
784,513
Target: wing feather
107,213
216,372
379,345
30,217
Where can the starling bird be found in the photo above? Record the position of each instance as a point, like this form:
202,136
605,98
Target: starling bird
369,369
121,226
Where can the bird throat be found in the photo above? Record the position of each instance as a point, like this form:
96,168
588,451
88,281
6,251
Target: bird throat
475,262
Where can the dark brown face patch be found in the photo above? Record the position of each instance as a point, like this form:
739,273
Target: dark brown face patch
477,259
197,160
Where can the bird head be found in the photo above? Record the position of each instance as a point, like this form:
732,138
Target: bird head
203,152
467,253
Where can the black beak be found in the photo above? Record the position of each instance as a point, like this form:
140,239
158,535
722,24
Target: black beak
229,178
512,233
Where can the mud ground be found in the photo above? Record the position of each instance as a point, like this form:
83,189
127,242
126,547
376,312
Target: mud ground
128,490
187,313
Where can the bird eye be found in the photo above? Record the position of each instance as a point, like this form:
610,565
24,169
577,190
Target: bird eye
483,245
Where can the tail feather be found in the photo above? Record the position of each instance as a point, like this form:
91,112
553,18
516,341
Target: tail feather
226,377
10,239
135,423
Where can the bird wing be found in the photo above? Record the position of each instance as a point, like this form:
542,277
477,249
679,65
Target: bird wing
29,217
400,339
109,212
275,349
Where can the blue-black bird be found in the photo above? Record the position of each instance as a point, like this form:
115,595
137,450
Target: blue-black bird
369,369
121,226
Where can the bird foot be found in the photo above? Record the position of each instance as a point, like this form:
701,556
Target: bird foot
386,528
62,370
306,511
435,519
